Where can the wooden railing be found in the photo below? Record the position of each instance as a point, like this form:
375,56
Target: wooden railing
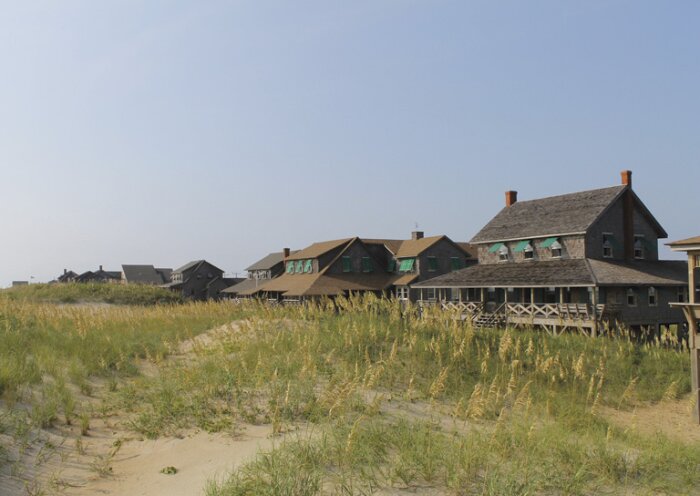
566,311
471,307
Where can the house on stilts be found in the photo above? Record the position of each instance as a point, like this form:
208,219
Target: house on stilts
582,260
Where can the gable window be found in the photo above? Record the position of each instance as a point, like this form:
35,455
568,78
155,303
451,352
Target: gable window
608,241
631,298
367,264
556,249
652,297
524,247
347,264
503,253
406,265
392,265
290,267
300,266
456,263
308,266
638,247
432,264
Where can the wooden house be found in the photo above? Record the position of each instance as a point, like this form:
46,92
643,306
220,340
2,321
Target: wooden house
259,273
67,276
199,280
575,260
351,265
100,275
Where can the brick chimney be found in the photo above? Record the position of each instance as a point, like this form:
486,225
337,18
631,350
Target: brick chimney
286,252
626,177
511,198
417,235
628,215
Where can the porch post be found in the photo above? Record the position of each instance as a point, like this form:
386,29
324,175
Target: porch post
594,301
692,337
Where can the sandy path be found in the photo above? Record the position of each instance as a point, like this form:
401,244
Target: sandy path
198,458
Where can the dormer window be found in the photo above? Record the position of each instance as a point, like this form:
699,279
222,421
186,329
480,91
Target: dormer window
300,266
503,253
524,247
556,249
308,266
529,252
290,267
608,245
638,248
406,265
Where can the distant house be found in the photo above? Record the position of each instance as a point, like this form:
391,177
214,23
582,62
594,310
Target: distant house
100,275
67,276
351,265
575,260
262,271
16,284
145,274
199,280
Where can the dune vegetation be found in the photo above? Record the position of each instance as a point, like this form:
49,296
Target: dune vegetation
116,294
364,396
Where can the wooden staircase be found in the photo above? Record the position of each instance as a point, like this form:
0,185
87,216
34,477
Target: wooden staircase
494,319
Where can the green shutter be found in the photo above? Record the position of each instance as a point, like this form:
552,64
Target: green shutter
308,266
457,263
432,264
548,242
495,247
290,267
347,264
392,266
406,265
367,264
520,247
300,266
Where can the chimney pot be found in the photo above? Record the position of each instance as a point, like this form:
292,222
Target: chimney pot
511,198
417,235
286,252
626,177
100,268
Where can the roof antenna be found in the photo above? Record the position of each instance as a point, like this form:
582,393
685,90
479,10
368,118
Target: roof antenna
416,223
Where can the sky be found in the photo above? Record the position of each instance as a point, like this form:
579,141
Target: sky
159,132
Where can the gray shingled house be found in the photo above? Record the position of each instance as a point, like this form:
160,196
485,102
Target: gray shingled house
578,260
145,274
354,265
199,280
100,275
262,271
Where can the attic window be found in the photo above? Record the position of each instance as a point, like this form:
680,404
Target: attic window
300,266
503,253
457,263
347,264
406,265
638,248
392,266
556,249
432,264
308,266
608,245
290,267
367,264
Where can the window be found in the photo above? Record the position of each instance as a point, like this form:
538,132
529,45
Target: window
638,248
496,247
402,292
300,266
308,266
455,294
406,265
697,261
290,267
608,241
347,264
631,298
556,249
652,297
457,263
529,252
524,247
503,253
683,294
430,293
432,264
367,264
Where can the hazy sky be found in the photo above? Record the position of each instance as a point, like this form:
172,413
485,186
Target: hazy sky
162,131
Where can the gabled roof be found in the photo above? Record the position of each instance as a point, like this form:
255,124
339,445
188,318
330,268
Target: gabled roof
269,261
405,248
317,249
244,285
573,213
193,264
142,274
165,273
